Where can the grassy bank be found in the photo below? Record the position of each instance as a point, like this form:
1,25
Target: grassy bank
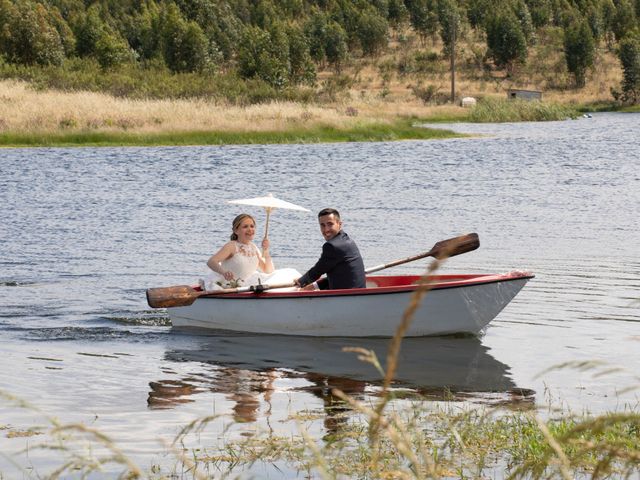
53,118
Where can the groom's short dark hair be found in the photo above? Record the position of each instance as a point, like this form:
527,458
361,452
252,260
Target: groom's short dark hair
329,211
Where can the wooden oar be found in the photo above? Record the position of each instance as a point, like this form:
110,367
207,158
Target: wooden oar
443,249
184,295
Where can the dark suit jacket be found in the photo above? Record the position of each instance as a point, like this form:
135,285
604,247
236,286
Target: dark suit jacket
342,263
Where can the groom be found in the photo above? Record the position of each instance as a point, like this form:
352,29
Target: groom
340,259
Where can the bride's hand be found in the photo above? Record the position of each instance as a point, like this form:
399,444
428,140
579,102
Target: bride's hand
228,275
265,244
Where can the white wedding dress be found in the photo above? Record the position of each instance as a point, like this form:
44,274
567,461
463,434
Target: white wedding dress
244,265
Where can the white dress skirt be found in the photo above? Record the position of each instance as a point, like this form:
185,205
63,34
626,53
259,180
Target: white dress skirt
244,265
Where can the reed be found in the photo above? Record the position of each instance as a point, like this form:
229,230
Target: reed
505,110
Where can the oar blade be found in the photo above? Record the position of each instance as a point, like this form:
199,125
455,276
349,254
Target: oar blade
166,297
456,246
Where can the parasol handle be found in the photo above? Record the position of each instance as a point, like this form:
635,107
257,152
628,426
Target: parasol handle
266,226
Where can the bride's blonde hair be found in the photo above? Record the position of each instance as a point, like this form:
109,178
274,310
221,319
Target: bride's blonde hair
238,221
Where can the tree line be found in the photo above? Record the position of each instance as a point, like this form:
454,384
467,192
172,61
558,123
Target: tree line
285,42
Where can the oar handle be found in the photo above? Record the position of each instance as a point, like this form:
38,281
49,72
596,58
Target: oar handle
444,248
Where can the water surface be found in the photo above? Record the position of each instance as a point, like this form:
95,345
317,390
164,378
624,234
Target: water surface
85,231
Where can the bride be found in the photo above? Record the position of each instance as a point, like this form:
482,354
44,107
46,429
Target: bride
240,263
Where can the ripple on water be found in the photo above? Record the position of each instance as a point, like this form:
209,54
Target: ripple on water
85,231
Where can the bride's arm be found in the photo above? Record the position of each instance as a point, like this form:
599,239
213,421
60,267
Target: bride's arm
214,263
265,262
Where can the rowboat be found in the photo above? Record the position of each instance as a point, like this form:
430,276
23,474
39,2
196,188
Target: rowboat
462,303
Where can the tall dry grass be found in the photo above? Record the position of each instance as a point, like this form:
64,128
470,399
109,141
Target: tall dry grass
25,110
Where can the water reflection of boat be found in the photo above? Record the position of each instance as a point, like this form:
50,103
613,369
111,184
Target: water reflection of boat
439,367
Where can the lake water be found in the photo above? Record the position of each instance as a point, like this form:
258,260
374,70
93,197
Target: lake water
85,231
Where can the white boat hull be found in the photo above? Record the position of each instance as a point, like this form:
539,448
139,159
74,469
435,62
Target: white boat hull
455,304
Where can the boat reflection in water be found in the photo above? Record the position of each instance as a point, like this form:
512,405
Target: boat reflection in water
246,367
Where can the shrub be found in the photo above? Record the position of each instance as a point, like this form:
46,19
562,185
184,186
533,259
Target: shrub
428,94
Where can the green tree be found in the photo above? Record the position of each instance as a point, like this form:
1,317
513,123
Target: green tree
68,39
112,50
423,15
629,54
398,13
608,12
264,57
88,31
316,32
579,50
477,11
450,23
327,40
596,22
222,26
506,42
526,22
186,48
335,45
302,68
624,20
27,36
372,31
143,38
98,39
347,13
264,13
540,12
